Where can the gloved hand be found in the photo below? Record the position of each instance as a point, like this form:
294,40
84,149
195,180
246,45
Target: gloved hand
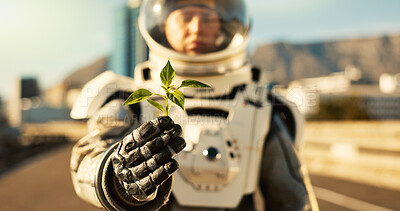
143,159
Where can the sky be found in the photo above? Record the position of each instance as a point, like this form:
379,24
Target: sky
50,39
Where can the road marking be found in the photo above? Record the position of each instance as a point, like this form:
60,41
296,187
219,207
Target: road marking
346,201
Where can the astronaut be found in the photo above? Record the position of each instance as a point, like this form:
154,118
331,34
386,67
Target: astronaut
235,144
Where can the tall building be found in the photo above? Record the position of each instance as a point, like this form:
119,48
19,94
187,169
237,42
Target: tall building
129,46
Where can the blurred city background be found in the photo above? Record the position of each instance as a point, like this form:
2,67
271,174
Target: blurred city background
339,61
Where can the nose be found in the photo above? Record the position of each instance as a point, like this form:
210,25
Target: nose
194,25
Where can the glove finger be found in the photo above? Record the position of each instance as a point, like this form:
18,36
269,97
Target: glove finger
163,172
146,186
142,170
177,144
146,132
161,141
144,152
127,144
118,162
150,183
133,189
151,129
175,131
117,158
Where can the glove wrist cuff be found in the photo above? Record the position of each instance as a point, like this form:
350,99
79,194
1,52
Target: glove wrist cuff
144,198
112,194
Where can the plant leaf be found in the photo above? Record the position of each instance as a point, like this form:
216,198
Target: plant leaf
177,98
167,74
194,84
137,96
155,104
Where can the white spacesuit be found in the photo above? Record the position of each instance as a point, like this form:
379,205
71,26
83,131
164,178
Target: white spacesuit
235,143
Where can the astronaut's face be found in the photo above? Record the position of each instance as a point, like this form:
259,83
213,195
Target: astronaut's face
193,29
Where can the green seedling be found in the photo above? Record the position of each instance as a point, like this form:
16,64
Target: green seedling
167,76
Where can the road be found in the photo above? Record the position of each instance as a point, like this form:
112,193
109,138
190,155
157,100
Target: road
44,183
41,183
336,194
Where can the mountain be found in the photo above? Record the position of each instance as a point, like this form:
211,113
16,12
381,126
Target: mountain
65,93
286,62
81,76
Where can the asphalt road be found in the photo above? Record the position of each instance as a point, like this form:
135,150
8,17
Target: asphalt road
44,183
336,194
41,183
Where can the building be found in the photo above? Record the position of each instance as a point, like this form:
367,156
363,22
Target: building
129,46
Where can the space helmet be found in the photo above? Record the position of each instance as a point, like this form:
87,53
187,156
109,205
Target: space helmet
198,37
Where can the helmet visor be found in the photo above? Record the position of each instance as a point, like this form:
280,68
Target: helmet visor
195,27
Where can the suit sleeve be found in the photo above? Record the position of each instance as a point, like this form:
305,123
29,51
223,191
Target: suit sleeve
108,126
92,172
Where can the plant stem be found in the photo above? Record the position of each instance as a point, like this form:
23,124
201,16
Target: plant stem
166,107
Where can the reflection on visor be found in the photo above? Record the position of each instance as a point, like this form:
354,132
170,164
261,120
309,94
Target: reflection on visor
206,16
186,15
193,27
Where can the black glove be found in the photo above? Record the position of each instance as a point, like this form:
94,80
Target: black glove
143,159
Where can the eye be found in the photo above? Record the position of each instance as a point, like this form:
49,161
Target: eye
209,18
205,18
187,18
